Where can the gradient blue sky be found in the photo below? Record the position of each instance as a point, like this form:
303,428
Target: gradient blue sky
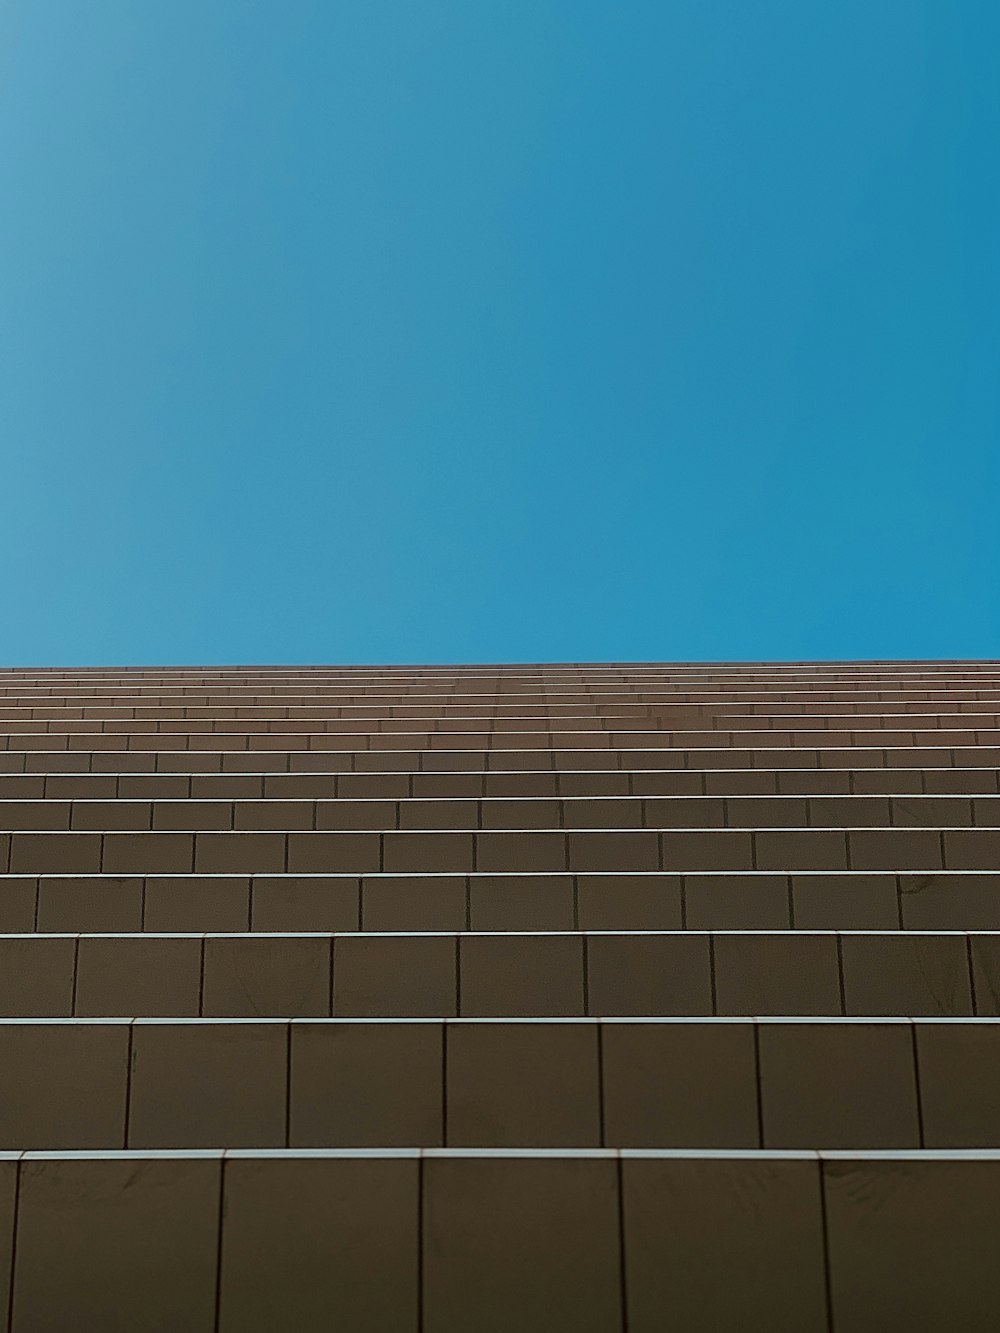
430,330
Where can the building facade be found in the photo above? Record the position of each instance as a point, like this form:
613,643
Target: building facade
616,998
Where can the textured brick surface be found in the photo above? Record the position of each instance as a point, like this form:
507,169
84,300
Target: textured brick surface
607,997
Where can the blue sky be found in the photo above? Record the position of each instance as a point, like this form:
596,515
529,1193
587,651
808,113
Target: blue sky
506,330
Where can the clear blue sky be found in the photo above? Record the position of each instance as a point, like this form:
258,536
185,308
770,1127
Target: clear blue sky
430,330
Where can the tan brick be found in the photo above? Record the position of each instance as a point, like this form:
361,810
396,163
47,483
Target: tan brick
509,1240
895,849
522,1084
959,1083
89,904
198,1085
239,853
36,976
769,812
267,815
904,973
333,853
355,816
35,815
912,1242
305,903
65,1084
972,849
648,975
155,976
609,850
845,902
533,852
845,1084
17,902
521,902
681,812
521,975
786,973
629,902
266,976
136,1240
373,1084
197,903
532,813
428,852
684,1084
55,853
102,816
709,849
801,849
599,812
395,976
307,1235
746,901
680,1216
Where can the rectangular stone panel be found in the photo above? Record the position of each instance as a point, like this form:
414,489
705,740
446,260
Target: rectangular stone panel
521,902
845,902
739,901
680,1085
521,1242
959,1065
395,976
196,903
913,1242
65,1084
154,976
207,1085
266,976
314,1242
414,902
844,1084
18,894
723,1243
648,974
629,902
324,903
521,975
903,973
367,1084
36,976
119,1243
709,849
787,973
332,853
522,1084
238,853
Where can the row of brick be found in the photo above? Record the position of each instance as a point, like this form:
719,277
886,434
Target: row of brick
540,717
697,900
559,1083
325,735
963,698
630,1242
533,851
522,813
518,783
536,975
426,704
174,754
655,695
